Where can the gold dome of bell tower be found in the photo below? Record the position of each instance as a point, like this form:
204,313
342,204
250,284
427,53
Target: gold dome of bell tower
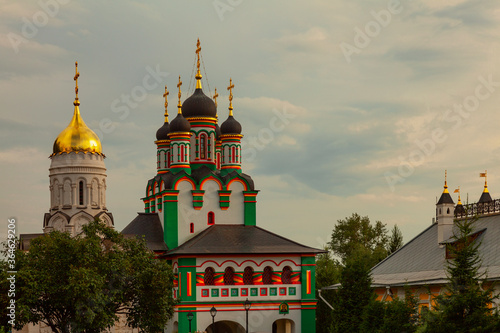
77,136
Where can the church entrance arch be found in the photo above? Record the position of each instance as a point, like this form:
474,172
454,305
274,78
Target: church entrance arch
225,326
284,326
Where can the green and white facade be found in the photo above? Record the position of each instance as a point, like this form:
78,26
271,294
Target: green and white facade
220,257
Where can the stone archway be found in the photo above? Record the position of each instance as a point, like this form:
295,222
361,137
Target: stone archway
225,326
284,326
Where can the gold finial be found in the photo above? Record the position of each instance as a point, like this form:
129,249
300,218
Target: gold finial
76,102
445,182
215,97
230,88
179,105
166,103
458,191
485,175
198,74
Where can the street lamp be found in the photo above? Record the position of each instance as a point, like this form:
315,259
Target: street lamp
190,317
213,312
247,306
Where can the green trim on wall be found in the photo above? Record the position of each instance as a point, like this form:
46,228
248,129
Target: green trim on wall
250,208
308,320
308,264
191,267
224,196
170,219
198,198
183,321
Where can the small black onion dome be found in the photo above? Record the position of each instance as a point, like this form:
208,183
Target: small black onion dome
199,105
217,132
180,124
162,132
230,126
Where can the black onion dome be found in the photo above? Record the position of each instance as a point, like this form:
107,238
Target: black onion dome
217,132
180,124
230,126
199,105
162,132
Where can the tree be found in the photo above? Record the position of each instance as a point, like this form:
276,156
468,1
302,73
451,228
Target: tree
327,274
464,307
397,315
81,284
395,241
354,293
355,233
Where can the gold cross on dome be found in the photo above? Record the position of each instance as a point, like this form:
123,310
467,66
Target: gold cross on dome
198,49
230,88
166,102
165,95
76,78
179,105
215,97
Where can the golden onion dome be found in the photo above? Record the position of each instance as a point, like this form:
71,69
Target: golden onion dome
77,137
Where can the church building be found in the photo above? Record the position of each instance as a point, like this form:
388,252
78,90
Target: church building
229,273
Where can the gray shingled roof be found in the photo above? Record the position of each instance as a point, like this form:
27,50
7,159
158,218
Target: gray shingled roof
239,239
422,260
147,225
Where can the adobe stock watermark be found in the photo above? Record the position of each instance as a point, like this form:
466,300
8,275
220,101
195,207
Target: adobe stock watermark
223,6
48,9
250,146
11,272
363,37
127,102
455,116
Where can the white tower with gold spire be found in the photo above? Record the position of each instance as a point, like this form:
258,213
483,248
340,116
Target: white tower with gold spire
77,177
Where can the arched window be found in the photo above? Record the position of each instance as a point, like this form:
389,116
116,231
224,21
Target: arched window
229,276
234,155
248,275
158,156
286,275
168,159
80,193
203,146
191,227
218,160
267,276
182,154
209,277
211,218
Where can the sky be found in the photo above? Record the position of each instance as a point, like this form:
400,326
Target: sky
346,106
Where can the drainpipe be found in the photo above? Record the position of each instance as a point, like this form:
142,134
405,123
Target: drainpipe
324,300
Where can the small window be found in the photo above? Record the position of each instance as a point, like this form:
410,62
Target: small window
267,276
229,276
203,147
233,155
209,277
248,275
211,218
191,227
286,275
80,193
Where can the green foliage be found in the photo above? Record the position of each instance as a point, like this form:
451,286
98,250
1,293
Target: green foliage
465,305
398,315
356,234
80,284
353,295
327,274
395,241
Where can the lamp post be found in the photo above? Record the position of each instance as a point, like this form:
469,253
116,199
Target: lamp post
190,317
213,312
247,306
